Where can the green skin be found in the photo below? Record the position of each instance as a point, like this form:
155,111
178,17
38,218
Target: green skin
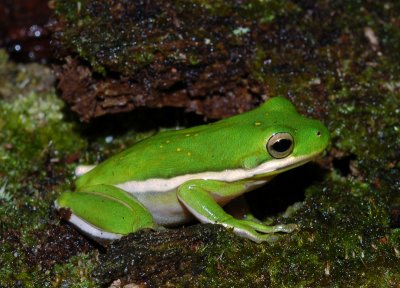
175,175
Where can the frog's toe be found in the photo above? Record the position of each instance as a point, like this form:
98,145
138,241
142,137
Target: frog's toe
257,232
251,217
255,236
286,228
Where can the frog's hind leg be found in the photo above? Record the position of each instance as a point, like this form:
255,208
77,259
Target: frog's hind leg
105,212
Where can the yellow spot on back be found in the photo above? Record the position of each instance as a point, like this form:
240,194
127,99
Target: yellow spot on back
187,135
161,146
178,149
257,123
189,154
196,134
167,141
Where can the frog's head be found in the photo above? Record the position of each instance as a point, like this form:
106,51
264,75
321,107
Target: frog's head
288,138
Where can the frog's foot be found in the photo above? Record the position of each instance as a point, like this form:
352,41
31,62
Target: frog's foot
251,230
285,228
104,212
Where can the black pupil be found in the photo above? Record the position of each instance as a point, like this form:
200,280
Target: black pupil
282,145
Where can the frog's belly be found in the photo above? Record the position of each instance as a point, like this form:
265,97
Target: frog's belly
165,207
167,210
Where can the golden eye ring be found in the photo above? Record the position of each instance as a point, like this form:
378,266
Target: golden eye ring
280,145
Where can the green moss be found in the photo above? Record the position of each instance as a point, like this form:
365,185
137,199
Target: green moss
35,139
75,273
33,133
117,37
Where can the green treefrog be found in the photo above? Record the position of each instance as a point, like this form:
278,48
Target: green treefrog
175,175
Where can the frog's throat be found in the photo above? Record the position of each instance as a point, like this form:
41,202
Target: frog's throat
266,169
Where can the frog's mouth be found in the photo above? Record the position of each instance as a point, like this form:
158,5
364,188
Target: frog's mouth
278,166
269,168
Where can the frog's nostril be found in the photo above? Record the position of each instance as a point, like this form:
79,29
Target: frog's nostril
319,133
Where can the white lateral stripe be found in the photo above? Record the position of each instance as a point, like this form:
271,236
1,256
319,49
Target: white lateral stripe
91,230
83,169
163,185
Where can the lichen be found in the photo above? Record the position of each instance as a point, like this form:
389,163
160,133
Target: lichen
36,141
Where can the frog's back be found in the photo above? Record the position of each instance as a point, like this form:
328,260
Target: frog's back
213,147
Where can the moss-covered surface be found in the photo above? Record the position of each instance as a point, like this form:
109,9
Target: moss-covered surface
36,152
204,57
337,61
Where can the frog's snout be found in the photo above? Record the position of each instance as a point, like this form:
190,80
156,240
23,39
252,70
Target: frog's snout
322,135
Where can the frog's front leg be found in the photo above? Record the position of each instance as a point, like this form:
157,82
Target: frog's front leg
201,198
105,212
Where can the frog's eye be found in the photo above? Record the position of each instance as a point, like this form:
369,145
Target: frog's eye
280,145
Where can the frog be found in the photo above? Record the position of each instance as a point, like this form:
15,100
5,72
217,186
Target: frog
176,176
